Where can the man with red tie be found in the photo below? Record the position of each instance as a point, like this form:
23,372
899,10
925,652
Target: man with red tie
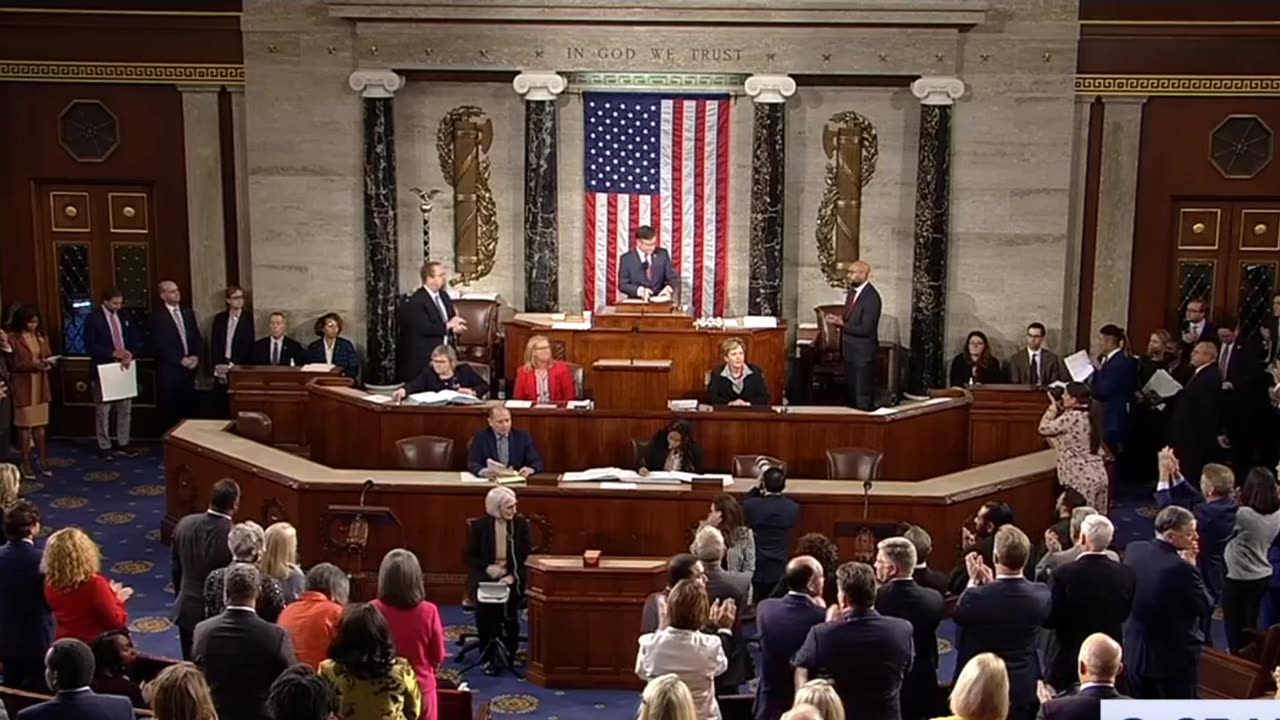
860,337
110,337
646,270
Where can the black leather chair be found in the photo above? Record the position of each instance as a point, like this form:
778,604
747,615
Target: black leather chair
255,426
854,464
745,465
424,452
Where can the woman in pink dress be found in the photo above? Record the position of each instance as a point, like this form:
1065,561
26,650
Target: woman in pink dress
1074,429
415,622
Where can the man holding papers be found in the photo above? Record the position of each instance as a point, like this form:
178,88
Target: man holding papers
646,271
500,447
108,337
1113,386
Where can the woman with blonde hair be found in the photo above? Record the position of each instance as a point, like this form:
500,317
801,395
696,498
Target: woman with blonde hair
85,604
280,560
10,482
180,692
666,697
682,648
736,381
981,691
821,695
543,379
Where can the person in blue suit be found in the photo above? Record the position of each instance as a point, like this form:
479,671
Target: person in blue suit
24,612
1165,632
110,337
499,442
175,339
784,624
646,270
331,349
1114,383
69,670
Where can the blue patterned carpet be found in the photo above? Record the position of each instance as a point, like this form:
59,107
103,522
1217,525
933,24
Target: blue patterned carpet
122,504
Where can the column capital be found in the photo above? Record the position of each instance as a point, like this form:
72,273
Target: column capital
1124,99
935,90
770,88
539,86
376,83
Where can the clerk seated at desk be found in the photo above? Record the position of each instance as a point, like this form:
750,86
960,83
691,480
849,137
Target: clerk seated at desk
444,373
976,365
278,348
499,442
647,270
673,448
542,379
736,382
333,350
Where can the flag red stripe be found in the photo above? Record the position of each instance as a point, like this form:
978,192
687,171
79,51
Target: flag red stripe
589,279
611,242
722,206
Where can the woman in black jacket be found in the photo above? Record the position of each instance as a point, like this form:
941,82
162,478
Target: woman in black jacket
736,382
976,365
497,549
673,448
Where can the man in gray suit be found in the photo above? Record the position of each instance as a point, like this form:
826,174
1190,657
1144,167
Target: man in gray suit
199,547
1036,365
708,546
1057,557
647,270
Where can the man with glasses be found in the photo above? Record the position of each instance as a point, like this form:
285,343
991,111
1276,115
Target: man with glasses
427,320
233,336
1036,365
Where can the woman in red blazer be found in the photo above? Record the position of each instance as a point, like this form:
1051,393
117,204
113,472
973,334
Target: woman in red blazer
542,378
85,604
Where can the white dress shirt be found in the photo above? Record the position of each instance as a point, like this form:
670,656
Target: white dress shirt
233,319
696,657
328,349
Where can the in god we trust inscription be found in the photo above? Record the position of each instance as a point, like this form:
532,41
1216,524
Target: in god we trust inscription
658,54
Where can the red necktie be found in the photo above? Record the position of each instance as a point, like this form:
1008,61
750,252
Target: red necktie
182,330
651,273
850,303
117,337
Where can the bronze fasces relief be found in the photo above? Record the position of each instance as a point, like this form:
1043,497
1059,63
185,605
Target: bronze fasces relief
852,148
463,140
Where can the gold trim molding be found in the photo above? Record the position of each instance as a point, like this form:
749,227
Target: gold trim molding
1253,85
146,73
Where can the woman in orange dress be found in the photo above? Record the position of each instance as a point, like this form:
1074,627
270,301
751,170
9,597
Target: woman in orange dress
32,361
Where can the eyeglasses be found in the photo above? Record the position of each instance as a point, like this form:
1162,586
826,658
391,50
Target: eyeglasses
236,297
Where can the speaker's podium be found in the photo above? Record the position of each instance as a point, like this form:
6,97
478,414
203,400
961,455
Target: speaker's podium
631,384
584,622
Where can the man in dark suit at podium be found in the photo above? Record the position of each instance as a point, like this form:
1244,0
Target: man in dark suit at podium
427,319
860,339
646,270
500,443
278,348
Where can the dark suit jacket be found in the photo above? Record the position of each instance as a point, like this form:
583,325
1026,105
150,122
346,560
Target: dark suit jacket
930,578
481,552
1197,420
1209,333
723,584
1089,594
421,331
167,344
922,607
1163,636
1017,369
867,655
1113,386
772,518
345,356
241,655
463,376
1079,704
863,321
81,705
783,625
720,389
521,452
97,336
290,350
962,370
632,275
25,617
958,578
1002,617
199,547
241,344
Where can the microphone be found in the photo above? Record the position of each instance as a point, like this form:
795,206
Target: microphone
866,499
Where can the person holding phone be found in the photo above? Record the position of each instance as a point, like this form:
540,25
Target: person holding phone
32,361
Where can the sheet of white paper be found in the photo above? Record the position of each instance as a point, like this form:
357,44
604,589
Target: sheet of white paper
578,405
610,485
597,474
659,298
570,325
317,367
1079,365
759,321
445,397
1162,384
496,466
519,404
118,382
54,358
469,478
379,399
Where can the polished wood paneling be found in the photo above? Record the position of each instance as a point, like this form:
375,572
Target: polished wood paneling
118,37
693,351
621,384
347,431
280,392
1004,421
1177,11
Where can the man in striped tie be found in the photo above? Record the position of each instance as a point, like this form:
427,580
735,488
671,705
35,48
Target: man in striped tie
646,271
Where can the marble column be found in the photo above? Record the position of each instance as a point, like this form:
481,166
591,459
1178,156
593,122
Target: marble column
1118,197
929,261
769,95
541,190
1075,224
381,281
206,232
242,189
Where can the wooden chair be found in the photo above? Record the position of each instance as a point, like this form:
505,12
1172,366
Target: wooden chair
255,426
639,451
478,343
424,452
854,464
745,465
485,373
828,356
579,380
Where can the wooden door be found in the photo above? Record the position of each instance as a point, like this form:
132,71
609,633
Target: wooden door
1228,253
90,238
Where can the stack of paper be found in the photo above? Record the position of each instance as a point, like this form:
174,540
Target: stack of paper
379,399
317,367
445,397
571,325
519,404
682,405
759,321
1079,365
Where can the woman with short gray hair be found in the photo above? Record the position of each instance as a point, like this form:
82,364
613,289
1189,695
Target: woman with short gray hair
497,548
415,623
247,541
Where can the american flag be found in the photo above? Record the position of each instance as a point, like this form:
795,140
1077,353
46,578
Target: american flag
663,161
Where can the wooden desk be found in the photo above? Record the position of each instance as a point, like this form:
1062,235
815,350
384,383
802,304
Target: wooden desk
695,351
1004,420
631,384
921,441
433,506
583,622
280,392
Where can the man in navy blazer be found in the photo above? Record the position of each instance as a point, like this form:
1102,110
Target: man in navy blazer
860,336
901,596
69,670
867,654
1000,612
175,337
25,616
646,270
110,337
238,324
427,320
1113,385
511,448
1099,665
783,624
1164,634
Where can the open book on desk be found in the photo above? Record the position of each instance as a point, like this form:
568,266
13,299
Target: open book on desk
613,474
445,397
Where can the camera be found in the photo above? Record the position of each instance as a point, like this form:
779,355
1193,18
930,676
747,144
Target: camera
1057,391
